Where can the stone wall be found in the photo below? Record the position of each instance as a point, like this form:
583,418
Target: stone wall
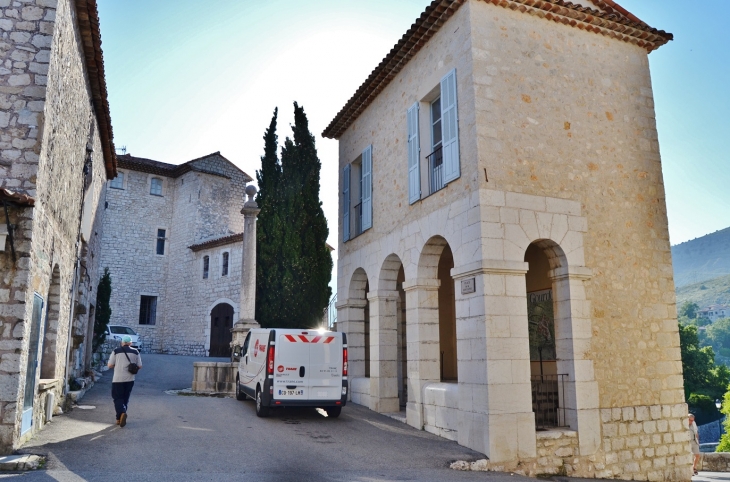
49,121
556,149
197,206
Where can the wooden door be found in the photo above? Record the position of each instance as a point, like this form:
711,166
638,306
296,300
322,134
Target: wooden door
221,322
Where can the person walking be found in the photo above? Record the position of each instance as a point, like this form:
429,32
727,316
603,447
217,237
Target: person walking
694,441
121,360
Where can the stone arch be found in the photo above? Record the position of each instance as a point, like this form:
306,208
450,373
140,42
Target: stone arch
221,323
391,326
49,353
358,325
206,318
434,267
549,268
358,284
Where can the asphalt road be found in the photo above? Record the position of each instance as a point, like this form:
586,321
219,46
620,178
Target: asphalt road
188,438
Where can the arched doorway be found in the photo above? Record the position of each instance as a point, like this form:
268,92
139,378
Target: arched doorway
221,322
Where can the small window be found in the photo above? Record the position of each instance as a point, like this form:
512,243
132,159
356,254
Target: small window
206,266
436,158
224,268
156,187
148,310
160,241
118,182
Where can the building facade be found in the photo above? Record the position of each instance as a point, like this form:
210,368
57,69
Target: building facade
504,271
714,312
56,154
173,246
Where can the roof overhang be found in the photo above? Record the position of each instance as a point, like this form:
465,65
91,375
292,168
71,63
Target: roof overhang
612,21
88,18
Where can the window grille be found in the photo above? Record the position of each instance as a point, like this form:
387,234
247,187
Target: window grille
224,269
206,266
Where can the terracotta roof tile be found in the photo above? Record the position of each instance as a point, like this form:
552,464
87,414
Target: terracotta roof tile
141,164
614,21
88,18
16,198
214,243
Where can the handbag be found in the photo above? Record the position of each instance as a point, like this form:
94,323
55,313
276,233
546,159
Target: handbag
133,368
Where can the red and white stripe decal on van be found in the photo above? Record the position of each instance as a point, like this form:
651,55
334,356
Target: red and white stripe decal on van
306,339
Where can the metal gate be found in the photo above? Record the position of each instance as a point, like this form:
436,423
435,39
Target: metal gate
221,322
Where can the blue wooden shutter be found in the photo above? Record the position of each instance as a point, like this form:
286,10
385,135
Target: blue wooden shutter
450,127
346,204
414,149
367,188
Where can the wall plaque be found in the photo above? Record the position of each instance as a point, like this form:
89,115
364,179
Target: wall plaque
468,286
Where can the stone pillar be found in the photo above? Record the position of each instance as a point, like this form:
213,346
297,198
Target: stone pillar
383,351
573,343
495,397
422,338
247,305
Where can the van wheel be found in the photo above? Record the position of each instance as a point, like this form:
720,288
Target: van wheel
261,410
333,412
240,395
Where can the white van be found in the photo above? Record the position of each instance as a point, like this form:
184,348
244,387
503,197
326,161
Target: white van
293,368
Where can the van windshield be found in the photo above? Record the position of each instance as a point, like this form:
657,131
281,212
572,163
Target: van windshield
121,330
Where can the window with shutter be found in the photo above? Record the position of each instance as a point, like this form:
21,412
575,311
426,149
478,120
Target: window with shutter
450,127
346,204
414,149
367,188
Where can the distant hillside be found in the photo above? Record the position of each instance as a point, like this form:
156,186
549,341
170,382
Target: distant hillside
702,258
705,293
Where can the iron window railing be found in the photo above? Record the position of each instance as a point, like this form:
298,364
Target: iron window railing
436,169
548,396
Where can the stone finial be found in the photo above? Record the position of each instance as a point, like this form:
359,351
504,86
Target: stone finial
251,192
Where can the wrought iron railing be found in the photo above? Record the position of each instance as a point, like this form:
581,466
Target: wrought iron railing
436,169
548,395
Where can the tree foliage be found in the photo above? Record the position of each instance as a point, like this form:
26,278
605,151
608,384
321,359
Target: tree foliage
103,312
294,270
689,309
717,334
701,375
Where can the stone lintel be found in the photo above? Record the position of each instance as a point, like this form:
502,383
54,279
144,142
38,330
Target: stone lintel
490,266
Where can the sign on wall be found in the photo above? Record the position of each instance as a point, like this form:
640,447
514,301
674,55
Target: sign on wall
541,325
468,286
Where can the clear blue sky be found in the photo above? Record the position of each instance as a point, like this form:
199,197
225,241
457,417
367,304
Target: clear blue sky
187,78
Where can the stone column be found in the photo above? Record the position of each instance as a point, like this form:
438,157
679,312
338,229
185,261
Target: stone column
351,320
495,397
247,305
383,351
422,339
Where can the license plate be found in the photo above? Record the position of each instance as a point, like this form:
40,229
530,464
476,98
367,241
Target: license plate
291,392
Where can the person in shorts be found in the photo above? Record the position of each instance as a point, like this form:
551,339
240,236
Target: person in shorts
123,380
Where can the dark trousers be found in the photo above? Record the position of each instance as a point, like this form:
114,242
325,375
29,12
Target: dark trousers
120,393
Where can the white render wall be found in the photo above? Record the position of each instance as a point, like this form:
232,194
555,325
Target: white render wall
195,207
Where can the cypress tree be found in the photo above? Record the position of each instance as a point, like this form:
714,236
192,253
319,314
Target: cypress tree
269,231
103,312
294,272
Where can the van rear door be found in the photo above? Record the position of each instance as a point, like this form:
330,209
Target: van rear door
325,365
291,366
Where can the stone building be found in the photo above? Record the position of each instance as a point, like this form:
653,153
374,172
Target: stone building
176,276
504,271
56,154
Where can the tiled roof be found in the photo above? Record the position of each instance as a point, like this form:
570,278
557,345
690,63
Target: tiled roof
17,198
614,21
127,161
88,18
214,243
